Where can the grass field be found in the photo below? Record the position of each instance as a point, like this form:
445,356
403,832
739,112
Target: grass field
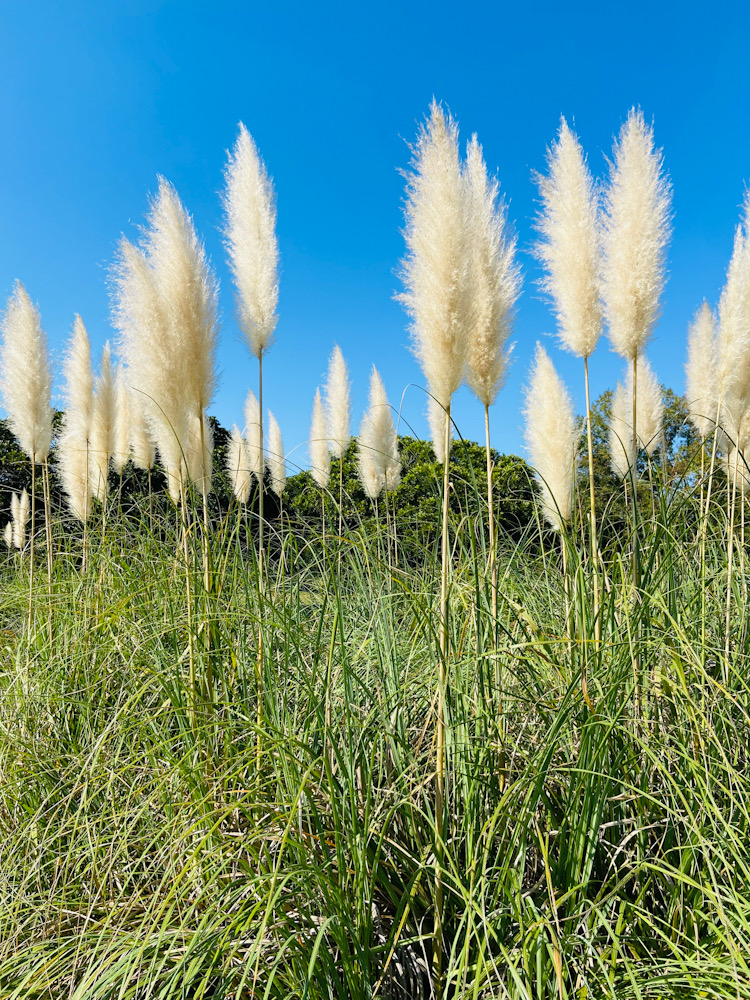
271,831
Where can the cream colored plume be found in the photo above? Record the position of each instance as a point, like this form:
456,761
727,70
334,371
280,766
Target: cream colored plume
733,337
552,438
337,404
198,459
377,445
434,272
570,246
75,473
75,438
142,447
621,432
102,438
649,417
122,428
253,440
320,456
165,310
700,371
275,457
493,280
237,466
19,506
79,383
436,422
636,233
250,230
8,534
25,380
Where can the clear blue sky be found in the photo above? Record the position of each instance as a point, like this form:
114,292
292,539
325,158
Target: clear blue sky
97,98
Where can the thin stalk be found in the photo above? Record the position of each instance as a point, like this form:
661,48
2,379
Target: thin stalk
491,519
48,535
206,548
192,694
437,953
262,467
730,553
633,471
31,545
594,541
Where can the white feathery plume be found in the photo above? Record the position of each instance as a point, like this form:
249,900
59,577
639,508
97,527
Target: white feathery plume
75,473
434,270
636,233
337,404
25,380
102,427
320,456
436,421
187,290
368,465
379,460
570,246
142,448
150,352
649,417
275,456
250,230
122,428
198,458
79,383
621,432
8,534
75,438
238,467
649,407
253,441
165,309
493,280
700,371
552,438
19,506
733,336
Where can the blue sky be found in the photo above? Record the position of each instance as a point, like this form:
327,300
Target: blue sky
97,99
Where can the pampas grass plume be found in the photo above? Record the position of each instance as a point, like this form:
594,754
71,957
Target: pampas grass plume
636,233
337,404
102,426
320,456
570,246
379,460
493,279
75,472
621,432
142,448
275,457
25,380
122,427
700,371
434,270
552,438
237,466
19,506
250,231
253,441
79,383
8,534
436,422
733,335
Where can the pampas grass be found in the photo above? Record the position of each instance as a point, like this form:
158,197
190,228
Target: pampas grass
338,407
238,466
121,436
377,445
74,445
551,439
19,507
700,371
25,380
320,456
649,419
165,309
275,459
622,453
102,426
253,439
